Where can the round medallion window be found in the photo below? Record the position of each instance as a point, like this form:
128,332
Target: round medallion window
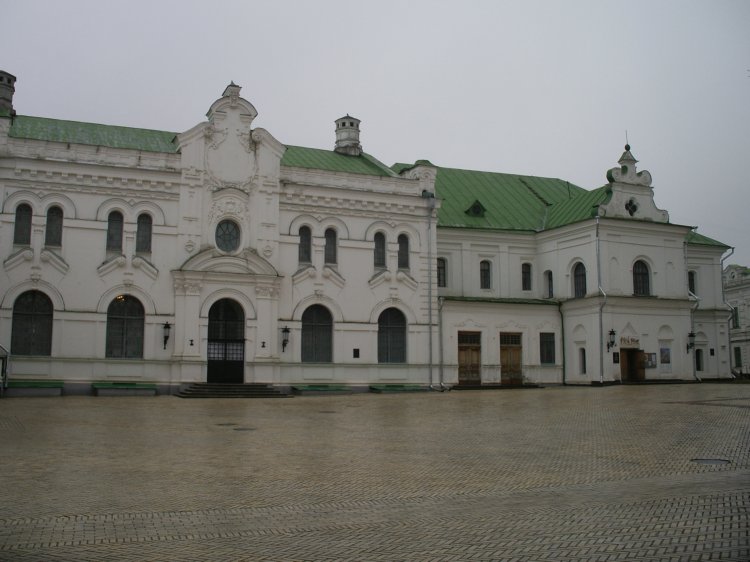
227,236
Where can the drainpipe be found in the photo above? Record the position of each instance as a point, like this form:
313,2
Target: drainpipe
441,301
562,338
430,196
697,304
731,312
601,306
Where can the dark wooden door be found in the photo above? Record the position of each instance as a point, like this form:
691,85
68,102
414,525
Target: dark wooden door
469,358
226,343
510,359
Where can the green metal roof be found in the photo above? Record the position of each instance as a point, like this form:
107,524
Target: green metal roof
57,130
510,202
579,208
319,159
698,239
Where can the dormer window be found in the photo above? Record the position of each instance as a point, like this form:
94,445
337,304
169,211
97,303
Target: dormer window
476,210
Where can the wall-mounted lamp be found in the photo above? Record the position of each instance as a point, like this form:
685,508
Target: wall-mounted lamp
691,341
284,338
166,328
611,341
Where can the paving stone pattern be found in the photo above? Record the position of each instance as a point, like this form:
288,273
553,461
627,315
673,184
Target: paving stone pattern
542,474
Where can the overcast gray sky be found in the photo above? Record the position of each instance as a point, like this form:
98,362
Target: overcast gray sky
545,88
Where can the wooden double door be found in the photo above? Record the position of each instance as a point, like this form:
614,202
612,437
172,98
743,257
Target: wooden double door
511,352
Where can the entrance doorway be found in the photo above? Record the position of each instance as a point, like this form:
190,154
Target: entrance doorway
469,358
632,365
510,358
226,342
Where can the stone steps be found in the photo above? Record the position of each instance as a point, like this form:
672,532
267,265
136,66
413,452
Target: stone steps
214,390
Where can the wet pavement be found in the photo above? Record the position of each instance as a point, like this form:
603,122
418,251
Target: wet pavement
613,473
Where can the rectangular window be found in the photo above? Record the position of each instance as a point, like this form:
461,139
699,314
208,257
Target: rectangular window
441,281
547,348
582,360
735,318
485,279
526,277
738,358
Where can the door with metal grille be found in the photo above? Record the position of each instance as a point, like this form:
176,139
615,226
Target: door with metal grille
226,342
469,358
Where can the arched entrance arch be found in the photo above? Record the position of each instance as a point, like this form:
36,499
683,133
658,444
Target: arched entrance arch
226,342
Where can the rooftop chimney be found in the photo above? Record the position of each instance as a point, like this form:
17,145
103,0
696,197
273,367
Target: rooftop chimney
347,136
7,87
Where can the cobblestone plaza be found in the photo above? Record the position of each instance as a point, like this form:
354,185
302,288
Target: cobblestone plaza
614,473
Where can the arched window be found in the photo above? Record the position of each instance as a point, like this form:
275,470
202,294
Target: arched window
54,227
391,336
305,245
641,281
143,234
403,251
22,228
330,249
379,256
485,275
125,319
526,277
114,232
31,332
549,290
441,272
227,236
579,280
317,335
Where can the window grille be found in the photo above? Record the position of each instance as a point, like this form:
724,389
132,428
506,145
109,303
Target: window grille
641,285
114,232
31,330
22,227
330,248
470,338
143,234
441,280
305,245
510,339
125,326
317,335
403,251
485,277
547,348
227,236
54,227
579,280
379,256
391,336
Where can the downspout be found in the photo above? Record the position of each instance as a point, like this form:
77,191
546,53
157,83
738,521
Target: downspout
601,306
731,313
562,340
692,313
441,301
431,207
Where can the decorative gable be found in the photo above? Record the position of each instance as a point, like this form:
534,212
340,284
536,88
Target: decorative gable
632,196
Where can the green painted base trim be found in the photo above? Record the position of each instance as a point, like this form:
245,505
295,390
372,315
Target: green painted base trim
383,388
140,385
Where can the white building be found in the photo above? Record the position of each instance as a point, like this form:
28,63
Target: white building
289,265
737,295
